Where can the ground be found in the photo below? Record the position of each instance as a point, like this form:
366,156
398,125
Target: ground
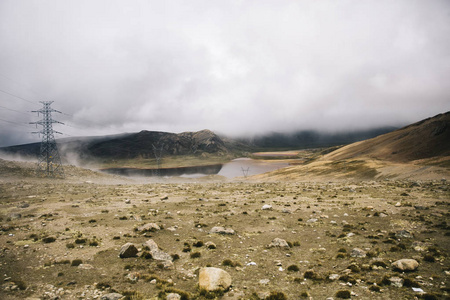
49,227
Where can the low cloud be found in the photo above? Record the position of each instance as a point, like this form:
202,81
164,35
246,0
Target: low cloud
235,67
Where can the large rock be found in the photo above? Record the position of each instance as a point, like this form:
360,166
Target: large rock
157,253
128,250
213,279
405,264
221,230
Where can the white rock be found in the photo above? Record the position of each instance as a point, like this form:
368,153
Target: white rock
212,279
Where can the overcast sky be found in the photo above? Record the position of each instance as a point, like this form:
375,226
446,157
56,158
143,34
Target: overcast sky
235,67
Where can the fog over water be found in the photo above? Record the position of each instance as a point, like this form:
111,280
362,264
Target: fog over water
234,67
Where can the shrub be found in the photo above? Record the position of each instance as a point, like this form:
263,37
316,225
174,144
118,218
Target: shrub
76,262
293,268
343,294
195,254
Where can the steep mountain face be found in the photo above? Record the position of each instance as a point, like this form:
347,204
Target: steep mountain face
422,140
144,144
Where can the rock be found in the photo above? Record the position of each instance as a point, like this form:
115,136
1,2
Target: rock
165,197
313,220
149,227
167,265
221,230
396,281
405,264
157,253
264,281
404,234
23,205
112,296
15,216
213,279
133,277
266,207
85,266
277,242
210,245
128,250
173,296
356,252
333,277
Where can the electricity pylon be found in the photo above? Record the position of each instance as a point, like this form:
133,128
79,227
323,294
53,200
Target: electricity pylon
49,161
158,156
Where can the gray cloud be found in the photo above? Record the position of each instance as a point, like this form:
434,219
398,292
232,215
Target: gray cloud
236,67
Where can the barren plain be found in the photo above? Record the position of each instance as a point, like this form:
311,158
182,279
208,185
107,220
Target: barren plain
316,239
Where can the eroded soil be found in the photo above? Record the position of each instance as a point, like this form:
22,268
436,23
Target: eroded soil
48,226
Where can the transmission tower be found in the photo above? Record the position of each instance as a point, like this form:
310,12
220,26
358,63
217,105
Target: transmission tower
49,161
245,171
158,156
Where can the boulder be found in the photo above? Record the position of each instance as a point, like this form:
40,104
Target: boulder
405,264
128,250
157,253
213,279
221,230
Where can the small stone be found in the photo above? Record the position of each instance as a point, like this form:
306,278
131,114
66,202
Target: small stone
404,234
128,250
266,207
398,204
333,277
165,197
213,279
112,296
277,242
356,252
405,264
85,266
127,201
264,281
222,230
396,281
210,245
173,296
149,227
313,220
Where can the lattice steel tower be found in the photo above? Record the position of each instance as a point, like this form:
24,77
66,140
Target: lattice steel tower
49,161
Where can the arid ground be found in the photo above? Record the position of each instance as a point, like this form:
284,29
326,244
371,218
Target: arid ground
60,238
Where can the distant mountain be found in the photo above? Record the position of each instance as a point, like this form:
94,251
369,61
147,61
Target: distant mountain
312,139
139,145
429,138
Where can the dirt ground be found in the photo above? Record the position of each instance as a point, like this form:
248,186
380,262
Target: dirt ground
60,239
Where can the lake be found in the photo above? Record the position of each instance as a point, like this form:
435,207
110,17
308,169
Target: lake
236,168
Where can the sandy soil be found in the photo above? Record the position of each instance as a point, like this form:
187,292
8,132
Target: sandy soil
50,226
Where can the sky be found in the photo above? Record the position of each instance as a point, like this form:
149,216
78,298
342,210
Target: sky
235,67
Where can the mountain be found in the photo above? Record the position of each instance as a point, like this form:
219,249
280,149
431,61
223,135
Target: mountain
140,145
429,138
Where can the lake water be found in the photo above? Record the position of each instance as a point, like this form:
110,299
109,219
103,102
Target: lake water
236,168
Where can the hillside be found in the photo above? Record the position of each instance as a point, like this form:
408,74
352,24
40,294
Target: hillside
418,151
429,138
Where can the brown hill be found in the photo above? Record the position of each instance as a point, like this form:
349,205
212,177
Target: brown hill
429,138
420,151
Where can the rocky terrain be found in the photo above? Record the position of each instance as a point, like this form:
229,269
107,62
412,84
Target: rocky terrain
95,236
364,221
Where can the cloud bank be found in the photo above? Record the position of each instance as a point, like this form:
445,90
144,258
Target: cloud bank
235,67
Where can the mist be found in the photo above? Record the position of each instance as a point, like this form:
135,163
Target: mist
238,68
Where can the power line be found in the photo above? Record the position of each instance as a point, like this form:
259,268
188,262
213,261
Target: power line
15,123
29,101
18,111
